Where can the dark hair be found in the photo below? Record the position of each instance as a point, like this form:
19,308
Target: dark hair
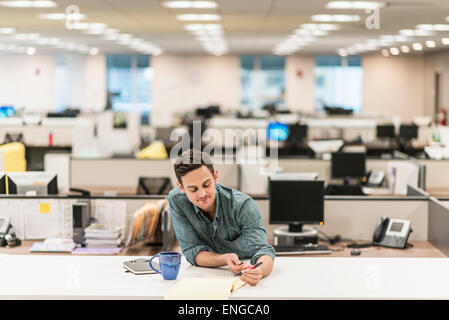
190,160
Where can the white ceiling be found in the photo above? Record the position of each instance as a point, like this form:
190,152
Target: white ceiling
250,26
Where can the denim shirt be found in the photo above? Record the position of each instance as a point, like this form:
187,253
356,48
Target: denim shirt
237,227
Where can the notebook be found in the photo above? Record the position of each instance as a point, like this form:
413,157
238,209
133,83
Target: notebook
207,288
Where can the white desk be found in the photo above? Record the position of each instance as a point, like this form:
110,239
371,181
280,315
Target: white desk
96,277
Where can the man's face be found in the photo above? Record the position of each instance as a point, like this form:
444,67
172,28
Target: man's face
199,187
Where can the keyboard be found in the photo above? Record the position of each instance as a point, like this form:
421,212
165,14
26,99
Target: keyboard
301,249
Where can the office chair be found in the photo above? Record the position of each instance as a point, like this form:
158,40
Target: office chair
154,186
13,137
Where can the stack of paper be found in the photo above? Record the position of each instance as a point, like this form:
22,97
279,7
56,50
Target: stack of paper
53,245
99,236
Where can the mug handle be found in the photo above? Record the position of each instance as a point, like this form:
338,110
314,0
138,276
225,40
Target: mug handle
151,266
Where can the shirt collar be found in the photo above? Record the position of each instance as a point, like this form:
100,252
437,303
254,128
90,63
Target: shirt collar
217,201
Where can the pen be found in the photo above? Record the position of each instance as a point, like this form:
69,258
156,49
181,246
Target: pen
249,268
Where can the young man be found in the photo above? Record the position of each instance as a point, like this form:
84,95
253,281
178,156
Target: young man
216,225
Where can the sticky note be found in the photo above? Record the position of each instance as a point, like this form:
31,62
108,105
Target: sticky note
45,208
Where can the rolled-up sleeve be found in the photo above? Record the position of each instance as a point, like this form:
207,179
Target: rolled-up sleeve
188,239
250,221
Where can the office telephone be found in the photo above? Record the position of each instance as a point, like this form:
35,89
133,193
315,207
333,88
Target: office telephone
7,236
392,233
374,178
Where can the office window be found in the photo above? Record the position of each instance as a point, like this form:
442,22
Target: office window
339,82
262,80
129,79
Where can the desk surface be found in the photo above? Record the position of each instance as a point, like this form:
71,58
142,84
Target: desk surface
139,249
87,277
420,249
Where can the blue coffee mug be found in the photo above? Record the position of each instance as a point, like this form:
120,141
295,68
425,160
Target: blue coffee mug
169,263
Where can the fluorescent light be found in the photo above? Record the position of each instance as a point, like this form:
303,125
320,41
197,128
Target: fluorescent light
198,17
417,46
190,4
430,44
394,51
93,51
405,49
335,18
111,36
418,32
385,53
109,31
354,5
96,28
445,41
7,30
29,4
441,27
61,16
427,27
343,52
208,27
31,51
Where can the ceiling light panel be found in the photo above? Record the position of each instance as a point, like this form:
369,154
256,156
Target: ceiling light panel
190,4
198,17
361,5
29,4
335,18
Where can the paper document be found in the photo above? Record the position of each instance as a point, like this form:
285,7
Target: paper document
110,213
47,218
208,288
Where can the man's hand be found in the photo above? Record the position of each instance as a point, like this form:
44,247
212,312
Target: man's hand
253,276
234,264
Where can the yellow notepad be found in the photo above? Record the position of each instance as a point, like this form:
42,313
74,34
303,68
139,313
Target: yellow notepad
207,288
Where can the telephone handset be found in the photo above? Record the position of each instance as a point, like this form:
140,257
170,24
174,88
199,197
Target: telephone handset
374,178
392,233
7,237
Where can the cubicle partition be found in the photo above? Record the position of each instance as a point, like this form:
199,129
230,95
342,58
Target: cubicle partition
355,217
110,173
42,217
439,223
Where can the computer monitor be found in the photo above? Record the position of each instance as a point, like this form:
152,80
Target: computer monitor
39,183
154,186
296,202
385,131
348,164
297,133
7,111
277,131
2,182
408,131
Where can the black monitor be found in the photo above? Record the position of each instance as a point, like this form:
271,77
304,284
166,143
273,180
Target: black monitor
348,164
39,183
408,131
154,186
385,131
296,202
297,133
2,182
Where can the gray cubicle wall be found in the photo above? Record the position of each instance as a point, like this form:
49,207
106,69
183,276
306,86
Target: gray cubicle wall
356,217
14,205
124,173
439,224
416,192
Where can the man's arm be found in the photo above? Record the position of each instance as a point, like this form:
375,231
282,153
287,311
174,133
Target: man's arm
211,259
